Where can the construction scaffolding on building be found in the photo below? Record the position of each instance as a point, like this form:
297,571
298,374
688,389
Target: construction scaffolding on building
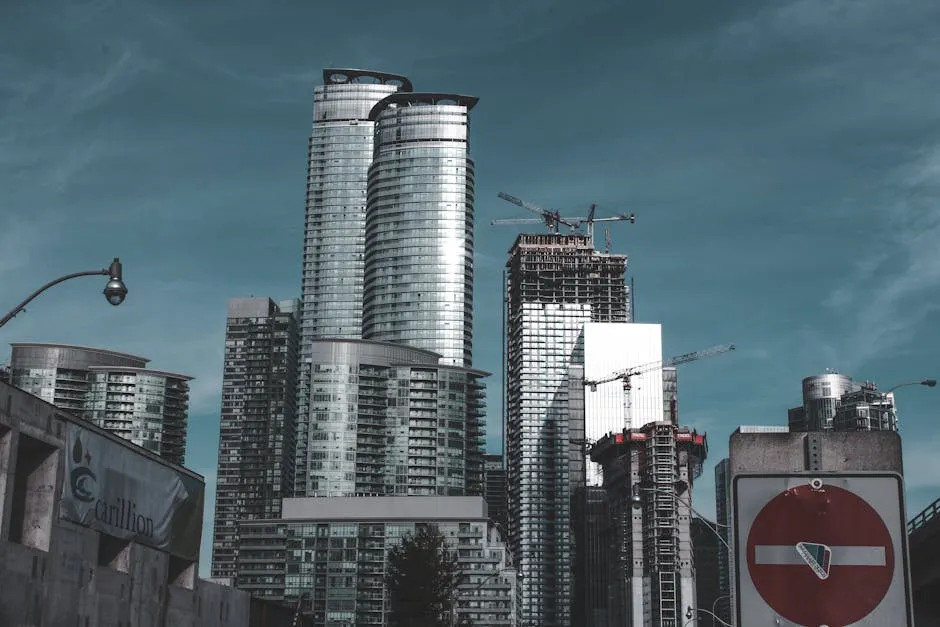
648,475
552,268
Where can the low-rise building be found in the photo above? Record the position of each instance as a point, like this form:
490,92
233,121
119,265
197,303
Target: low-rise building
328,555
97,531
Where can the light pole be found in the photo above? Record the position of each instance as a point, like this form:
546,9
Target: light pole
681,486
114,291
691,615
926,382
893,411
637,501
715,606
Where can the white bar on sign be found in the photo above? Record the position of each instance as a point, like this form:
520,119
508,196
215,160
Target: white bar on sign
786,555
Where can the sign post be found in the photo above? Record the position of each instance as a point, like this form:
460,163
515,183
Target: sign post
821,549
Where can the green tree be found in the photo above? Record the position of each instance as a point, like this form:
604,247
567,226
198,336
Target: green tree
422,576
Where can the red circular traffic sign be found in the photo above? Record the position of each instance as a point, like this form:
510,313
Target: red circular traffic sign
820,557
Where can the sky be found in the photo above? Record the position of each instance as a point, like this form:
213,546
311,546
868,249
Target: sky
782,158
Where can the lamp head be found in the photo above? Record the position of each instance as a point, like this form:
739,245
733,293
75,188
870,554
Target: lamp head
115,291
929,382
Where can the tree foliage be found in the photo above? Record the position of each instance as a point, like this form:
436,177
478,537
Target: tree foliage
422,578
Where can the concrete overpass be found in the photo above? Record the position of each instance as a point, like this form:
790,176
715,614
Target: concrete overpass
924,542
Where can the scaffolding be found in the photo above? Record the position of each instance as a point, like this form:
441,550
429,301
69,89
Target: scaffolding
551,268
652,579
661,539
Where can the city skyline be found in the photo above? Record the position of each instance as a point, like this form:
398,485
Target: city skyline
176,142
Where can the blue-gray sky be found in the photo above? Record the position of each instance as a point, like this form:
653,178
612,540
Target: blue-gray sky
783,160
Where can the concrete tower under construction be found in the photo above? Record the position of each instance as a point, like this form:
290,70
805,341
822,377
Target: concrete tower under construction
555,285
648,475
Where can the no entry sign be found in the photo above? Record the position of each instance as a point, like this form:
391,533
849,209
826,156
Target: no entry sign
821,551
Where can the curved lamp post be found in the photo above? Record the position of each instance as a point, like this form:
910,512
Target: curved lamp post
926,382
637,500
114,291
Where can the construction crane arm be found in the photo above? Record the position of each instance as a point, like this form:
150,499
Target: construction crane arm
516,221
551,218
525,205
658,365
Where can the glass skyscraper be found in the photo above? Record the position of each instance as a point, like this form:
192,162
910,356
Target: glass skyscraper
388,266
338,160
556,284
419,226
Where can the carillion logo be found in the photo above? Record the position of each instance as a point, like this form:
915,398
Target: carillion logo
120,513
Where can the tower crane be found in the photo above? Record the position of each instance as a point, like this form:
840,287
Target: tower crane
590,220
552,219
627,374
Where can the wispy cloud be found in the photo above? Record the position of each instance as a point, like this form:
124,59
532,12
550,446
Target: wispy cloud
921,463
902,263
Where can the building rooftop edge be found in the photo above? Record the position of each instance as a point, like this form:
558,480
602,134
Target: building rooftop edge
64,415
91,349
354,73
166,373
406,97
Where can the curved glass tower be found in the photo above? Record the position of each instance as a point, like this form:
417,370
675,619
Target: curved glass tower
339,156
418,283
116,391
338,159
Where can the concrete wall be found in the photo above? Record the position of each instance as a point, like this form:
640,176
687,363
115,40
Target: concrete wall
54,573
66,587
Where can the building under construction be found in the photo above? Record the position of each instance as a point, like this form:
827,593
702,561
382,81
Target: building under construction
648,475
555,285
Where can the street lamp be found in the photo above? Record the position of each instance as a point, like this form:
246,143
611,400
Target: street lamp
926,382
114,291
691,614
715,606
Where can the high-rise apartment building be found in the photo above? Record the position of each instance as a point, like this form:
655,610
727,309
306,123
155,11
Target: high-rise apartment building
148,407
258,423
419,226
390,419
338,160
494,473
327,556
116,391
707,550
833,401
555,285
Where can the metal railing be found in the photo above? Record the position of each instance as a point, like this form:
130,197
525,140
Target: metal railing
924,517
